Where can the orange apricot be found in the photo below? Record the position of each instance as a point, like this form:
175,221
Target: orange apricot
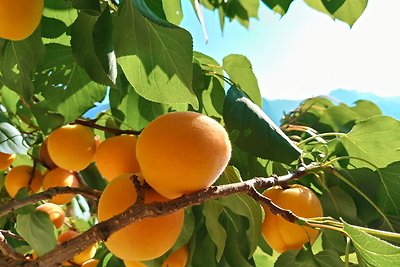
178,258
72,147
55,212
60,177
182,152
85,255
134,264
143,240
6,160
19,19
90,263
281,234
23,176
116,156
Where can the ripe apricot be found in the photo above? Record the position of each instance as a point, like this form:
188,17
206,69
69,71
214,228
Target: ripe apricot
143,240
85,255
281,234
23,176
90,263
72,147
178,258
45,157
182,152
19,19
55,212
6,160
117,155
134,264
60,177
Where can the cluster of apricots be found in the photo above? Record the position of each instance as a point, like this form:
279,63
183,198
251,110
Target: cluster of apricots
175,154
19,19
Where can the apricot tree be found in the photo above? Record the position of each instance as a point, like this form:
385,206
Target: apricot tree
180,166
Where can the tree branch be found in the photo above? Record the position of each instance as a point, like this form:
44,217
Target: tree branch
14,204
137,212
8,251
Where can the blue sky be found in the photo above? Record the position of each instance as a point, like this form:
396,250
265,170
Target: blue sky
306,53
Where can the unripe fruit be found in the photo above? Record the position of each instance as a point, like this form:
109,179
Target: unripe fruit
72,147
134,264
23,176
143,240
6,160
178,258
19,19
60,177
90,263
55,212
116,156
182,152
281,234
85,255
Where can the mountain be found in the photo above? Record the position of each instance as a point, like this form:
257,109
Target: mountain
389,105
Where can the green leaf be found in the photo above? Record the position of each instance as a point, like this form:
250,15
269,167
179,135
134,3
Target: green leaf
155,56
38,230
372,251
338,204
63,12
240,72
11,140
376,140
243,205
294,258
254,132
18,60
89,6
124,101
67,89
345,10
83,47
173,11
279,6
388,197
103,44
212,209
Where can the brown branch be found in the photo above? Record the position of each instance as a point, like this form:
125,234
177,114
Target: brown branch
137,212
92,124
14,204
8,251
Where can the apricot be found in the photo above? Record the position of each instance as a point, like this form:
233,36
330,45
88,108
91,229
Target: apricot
6,160
45,157
182,152
116,156
90,263
134,264
178,258
23,176
55,212
82,257
72,147
281,234
143,240
19,19
60,177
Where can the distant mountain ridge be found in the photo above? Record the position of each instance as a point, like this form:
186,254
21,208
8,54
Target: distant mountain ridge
389,105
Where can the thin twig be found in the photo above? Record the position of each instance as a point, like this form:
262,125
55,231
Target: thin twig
92,124
8,251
